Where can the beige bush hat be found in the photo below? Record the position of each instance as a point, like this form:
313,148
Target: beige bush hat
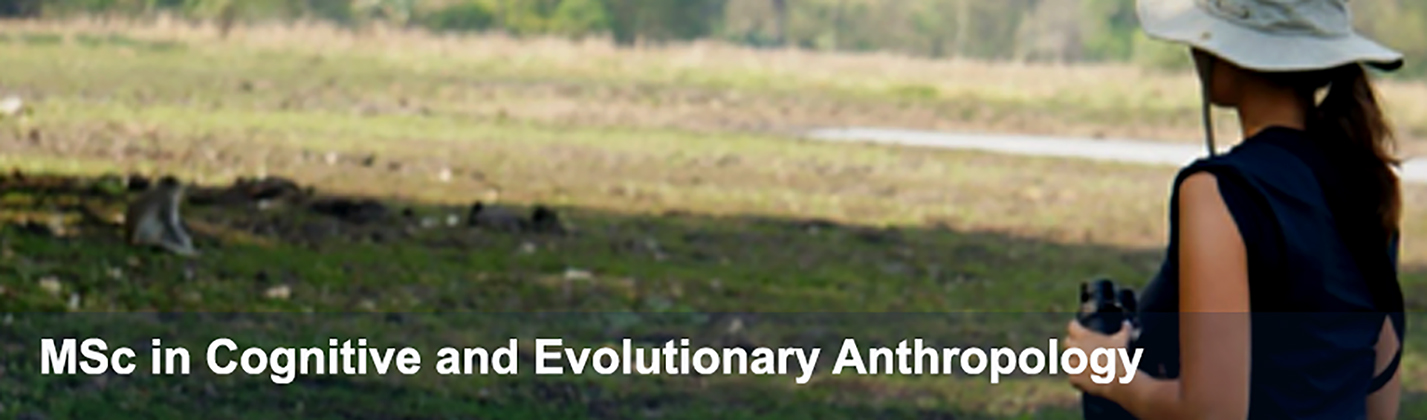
1267,35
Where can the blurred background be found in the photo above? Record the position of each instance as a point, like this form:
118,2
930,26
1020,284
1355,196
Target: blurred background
1066,31
659,168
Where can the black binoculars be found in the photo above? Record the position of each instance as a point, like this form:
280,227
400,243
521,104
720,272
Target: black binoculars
1104,308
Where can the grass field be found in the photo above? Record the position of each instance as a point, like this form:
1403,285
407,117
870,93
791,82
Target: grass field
691,87
693,212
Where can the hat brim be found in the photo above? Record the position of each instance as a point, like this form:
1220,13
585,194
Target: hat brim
1181,21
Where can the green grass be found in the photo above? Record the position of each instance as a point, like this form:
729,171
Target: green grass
458,292
683,231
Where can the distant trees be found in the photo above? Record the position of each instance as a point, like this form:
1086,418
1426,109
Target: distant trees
19,8
1031,30
780,22
464,17
627,22
579,18
1052,31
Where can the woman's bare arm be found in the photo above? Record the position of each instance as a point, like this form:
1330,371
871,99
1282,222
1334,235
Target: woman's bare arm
1383,404
1214,316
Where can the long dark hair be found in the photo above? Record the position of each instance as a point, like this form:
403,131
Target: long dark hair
1350,127
1349,124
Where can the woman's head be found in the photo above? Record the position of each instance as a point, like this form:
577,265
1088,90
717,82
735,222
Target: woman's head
1347,121
1221,80
1303,50
1227,84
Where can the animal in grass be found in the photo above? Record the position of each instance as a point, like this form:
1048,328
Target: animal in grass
493,217
153,219
542,219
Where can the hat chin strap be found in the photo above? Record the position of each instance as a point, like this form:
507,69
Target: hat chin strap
1208,75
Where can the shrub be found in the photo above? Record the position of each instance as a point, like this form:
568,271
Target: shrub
460,17
578,18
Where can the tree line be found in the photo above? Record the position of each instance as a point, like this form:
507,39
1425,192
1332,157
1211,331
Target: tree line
1021,30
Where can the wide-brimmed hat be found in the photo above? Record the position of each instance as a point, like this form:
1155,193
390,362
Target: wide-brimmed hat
1267,35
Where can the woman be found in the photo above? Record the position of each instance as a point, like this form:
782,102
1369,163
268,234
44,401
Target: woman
1278,298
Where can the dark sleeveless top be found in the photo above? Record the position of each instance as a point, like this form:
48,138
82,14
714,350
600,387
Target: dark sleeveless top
1320,280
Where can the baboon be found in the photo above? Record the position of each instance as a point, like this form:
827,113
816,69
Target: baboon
544,219
153,219
493,217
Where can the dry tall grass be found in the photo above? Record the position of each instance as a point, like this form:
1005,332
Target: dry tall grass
1118,86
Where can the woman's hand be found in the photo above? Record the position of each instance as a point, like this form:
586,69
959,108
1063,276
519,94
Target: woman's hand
1088,341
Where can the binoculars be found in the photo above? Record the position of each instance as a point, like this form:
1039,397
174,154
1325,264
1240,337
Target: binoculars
1104,307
